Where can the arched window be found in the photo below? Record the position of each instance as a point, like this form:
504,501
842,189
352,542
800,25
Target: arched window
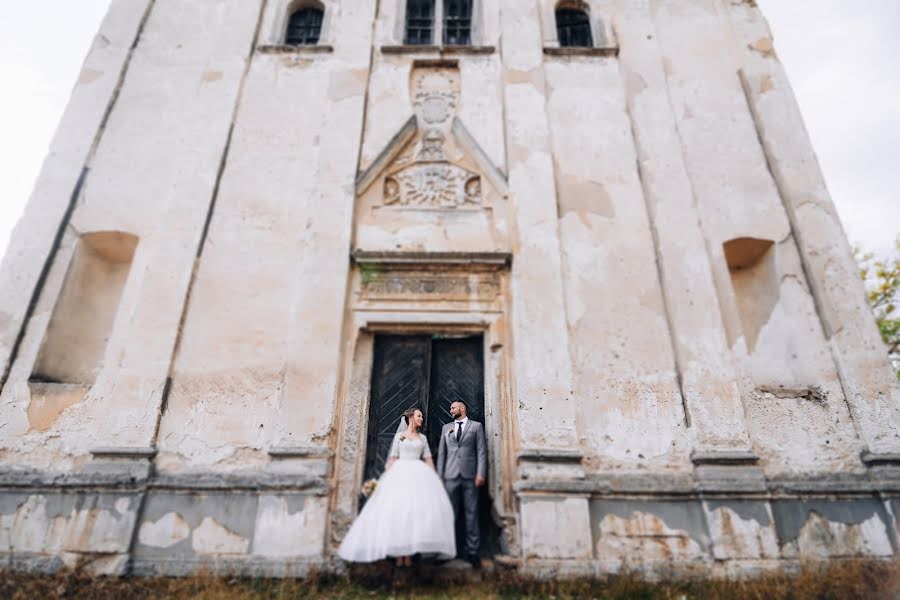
573,27
457,22
419,22
304,27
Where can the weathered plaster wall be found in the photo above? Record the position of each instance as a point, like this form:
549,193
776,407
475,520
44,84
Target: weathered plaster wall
274,264
630,412
707,374
177,98
736,197
542,380
870,390
72,146
677,398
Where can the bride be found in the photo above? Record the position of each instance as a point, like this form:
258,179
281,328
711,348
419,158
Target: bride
409,512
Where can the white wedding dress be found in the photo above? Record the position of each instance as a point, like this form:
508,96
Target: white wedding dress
408,513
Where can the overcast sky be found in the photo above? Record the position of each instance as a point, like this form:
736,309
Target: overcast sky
841,61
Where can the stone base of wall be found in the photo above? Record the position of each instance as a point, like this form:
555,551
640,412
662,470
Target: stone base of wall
275,526
733,522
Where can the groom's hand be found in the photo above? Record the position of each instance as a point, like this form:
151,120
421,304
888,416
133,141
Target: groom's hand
479,481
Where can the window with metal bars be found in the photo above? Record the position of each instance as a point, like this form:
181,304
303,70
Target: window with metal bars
419,22
458,22
573,28
304,27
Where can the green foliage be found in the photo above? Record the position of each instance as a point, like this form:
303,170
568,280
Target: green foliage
881,276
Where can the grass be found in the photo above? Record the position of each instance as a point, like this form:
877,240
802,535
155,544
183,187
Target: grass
852,580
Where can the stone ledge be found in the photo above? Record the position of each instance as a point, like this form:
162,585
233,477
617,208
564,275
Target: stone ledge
246,482
102,480
551,455
724,457
749,484
294,49
729,478
871,459
282,452
560,486
425,258
133,453
609,51
829,485
442,50
119,480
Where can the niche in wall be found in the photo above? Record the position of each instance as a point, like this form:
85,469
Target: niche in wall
81,324
754,278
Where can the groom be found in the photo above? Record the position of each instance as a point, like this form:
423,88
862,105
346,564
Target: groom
462,464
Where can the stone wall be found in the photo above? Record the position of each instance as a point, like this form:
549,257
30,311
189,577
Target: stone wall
681,369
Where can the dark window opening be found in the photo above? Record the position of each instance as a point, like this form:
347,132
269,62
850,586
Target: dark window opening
573,28
419,22
457,22
304,27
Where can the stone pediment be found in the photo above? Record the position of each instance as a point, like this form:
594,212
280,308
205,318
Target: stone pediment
433,162
432,189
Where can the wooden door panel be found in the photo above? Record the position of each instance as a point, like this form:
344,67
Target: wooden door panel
399,380
457,374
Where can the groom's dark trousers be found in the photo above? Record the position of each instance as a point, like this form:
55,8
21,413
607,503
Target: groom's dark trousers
459,462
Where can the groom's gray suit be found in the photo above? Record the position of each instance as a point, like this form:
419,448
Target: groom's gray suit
459,462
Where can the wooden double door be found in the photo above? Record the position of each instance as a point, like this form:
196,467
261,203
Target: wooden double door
428,372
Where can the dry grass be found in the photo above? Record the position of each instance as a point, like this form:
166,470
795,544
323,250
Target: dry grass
838,581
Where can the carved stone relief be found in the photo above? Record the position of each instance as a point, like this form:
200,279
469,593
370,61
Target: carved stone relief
457,287
430,179
433,186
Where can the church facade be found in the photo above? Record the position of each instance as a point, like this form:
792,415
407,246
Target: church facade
267,227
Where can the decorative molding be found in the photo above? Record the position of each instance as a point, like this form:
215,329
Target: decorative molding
433,185
294,49
724,457
280,452
405,285
465,140
685,485
873,459
388,155
145,452
229,482
442,50
115,480
414,168
611,51
551,455
432,258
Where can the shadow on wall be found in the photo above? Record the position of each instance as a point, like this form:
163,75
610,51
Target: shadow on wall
754,277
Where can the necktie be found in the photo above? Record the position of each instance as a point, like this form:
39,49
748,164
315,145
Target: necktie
458,430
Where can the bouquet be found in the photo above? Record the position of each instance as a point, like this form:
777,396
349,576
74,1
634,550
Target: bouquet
368,488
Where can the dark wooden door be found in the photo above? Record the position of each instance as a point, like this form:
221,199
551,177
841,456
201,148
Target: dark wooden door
400,374
430,373
457,374
426,372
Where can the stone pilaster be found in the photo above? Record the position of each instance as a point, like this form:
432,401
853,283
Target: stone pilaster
869,386
33,240
542,369
708,377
